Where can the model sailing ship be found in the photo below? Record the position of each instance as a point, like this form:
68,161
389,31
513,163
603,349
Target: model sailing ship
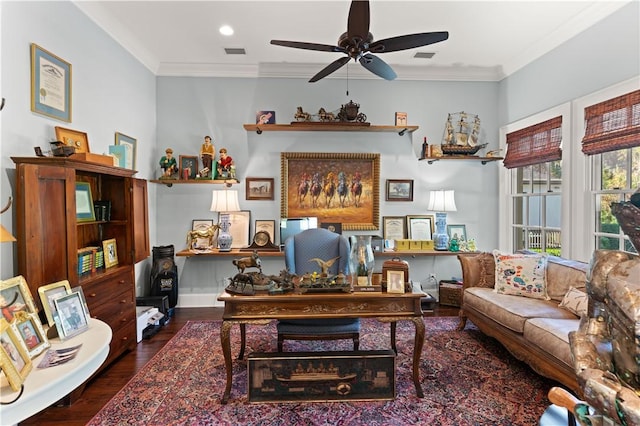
461,134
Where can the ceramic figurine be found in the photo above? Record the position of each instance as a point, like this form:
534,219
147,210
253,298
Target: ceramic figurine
168,164
226,167
207,152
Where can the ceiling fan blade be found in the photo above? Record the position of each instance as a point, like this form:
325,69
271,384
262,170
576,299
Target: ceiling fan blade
307,46
359,18
378,67
408,41
333,66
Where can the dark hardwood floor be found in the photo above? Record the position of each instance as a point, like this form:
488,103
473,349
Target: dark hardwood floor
105,385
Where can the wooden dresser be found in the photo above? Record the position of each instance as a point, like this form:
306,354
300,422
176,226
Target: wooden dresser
49,236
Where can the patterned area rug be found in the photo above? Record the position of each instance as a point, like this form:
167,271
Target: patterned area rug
467,378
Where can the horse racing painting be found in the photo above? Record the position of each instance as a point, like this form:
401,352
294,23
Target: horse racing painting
334,187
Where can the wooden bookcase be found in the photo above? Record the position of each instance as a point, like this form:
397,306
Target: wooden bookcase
49,236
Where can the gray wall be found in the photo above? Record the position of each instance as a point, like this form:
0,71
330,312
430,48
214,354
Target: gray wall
113,92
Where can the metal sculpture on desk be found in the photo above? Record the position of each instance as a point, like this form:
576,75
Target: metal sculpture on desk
243,283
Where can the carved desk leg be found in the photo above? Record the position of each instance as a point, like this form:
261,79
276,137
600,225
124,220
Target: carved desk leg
243,339
417,351
225,340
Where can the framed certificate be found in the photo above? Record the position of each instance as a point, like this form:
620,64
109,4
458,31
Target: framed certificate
394,227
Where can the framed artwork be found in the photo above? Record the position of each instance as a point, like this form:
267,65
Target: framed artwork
120,154
110,253
350,194
420,227
458,232
401,118
15,297
50,292
259,188
78,140
203,239
84,203
239,229
130,147
399,190
268,226
29,328
395,282
72,318
332,226
188,167
14,357
394,227
266,117
50,84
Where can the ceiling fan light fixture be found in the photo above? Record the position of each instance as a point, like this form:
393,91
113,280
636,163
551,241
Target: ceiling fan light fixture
424,55
235,51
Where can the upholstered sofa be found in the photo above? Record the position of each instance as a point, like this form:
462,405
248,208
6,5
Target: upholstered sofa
534,329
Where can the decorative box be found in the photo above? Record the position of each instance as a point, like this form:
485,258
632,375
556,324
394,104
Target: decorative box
415,245
94,158
427,245
450,293
402,244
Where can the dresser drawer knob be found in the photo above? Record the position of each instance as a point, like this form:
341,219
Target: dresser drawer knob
121,282
93,295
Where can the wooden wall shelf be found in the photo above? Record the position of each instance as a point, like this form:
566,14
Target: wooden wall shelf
327,127
171,182
483,160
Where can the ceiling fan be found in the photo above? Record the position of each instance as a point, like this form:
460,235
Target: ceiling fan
357,42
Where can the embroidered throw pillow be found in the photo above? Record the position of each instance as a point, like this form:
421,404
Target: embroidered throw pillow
521,274
575,301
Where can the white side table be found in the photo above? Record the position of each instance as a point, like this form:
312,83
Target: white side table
44,386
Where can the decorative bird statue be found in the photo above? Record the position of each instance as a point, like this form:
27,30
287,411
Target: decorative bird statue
324,264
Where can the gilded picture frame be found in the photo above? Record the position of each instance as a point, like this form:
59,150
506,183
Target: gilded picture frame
110,253
30,330
357,206
420,227
50,292
130,147
14,357
15,297
75,138
395,281
50,84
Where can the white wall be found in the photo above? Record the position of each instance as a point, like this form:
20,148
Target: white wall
111,92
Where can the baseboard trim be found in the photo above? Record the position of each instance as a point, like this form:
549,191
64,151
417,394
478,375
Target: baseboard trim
203,300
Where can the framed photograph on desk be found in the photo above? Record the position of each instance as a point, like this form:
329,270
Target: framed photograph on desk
14,357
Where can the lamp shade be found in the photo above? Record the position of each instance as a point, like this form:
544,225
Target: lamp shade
5,236
225,201
442,201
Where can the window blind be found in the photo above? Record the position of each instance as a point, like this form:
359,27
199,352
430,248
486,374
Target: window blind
535,144
612,124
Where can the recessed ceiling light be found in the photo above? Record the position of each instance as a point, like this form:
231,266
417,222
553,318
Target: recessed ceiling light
226,30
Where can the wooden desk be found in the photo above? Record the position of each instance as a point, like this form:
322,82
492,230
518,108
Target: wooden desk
261,309
44,386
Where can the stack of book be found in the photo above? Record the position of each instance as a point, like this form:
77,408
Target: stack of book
85,260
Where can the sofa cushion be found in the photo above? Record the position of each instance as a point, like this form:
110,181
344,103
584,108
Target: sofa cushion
478,270
552,335
521,274
575,301
511,311
563,274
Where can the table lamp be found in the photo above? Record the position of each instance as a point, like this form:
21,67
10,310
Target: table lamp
441,201
223,202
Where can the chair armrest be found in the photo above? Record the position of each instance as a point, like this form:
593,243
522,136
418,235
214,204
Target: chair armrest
478,270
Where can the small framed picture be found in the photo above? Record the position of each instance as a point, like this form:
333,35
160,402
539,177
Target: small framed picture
14,357
459,232
239,230
266,117
395,281
420,227
332,226
188,167
268,226
401,118
110,253
15,297
72,318
130,148
259,188
29,328
78,140
50,292
394,228
399,190
84,203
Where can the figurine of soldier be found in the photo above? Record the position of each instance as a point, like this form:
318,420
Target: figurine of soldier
168,164
207,152
226,168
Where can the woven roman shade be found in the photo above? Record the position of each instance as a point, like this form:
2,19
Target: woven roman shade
612,124
535,144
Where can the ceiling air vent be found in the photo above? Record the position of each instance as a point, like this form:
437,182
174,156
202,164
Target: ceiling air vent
235,51
424,55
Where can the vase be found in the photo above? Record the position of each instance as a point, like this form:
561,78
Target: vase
361,261
224,237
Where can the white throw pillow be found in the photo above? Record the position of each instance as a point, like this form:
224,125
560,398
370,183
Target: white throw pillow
575,301
521,274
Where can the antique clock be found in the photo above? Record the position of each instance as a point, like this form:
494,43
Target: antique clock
262,242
